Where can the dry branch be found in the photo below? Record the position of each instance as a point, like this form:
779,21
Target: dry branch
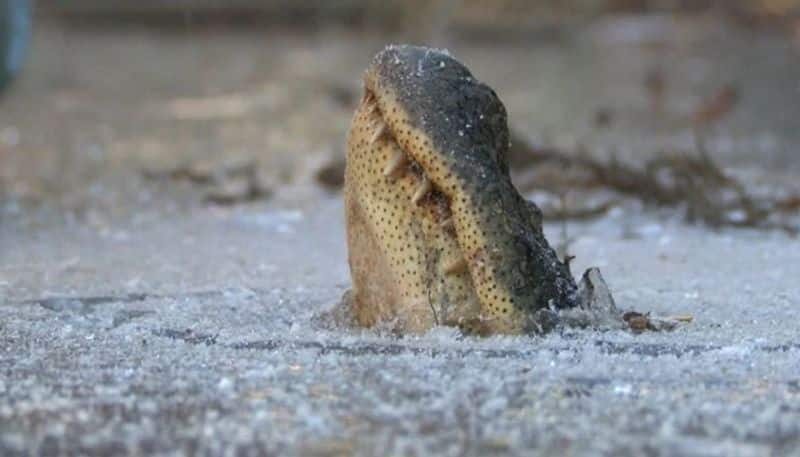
693,181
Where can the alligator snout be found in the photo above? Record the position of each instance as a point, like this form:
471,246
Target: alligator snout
437,234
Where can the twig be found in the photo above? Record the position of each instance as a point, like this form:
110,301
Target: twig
694,181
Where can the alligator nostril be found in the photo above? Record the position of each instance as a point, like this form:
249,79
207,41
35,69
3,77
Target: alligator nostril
396,162
424,187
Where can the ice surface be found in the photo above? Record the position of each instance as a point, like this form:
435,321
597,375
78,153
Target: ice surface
175,333
202,335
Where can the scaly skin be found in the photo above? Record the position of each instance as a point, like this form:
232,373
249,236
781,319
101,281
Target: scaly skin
437,234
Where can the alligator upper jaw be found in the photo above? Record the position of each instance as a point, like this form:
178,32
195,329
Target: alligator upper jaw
456,172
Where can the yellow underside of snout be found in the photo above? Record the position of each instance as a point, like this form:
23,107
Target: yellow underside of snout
417,251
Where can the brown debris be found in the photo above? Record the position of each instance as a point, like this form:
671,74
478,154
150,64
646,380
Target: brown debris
637,322
224,184
331,174
655,85
695,182
603,117
716,106
237,191
789,204
344,96
199,173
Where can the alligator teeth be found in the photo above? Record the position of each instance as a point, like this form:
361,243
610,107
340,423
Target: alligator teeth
456,266
424,187
378,133
398,160
369,97
370,103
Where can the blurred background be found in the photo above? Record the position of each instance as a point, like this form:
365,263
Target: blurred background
125,110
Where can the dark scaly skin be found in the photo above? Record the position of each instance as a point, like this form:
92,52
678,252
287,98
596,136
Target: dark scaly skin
453,131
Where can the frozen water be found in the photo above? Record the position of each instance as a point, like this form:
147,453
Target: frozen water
195,331
201,334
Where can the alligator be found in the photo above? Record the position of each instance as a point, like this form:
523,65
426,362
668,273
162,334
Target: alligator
437,233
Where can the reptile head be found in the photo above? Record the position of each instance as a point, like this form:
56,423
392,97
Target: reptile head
437,233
